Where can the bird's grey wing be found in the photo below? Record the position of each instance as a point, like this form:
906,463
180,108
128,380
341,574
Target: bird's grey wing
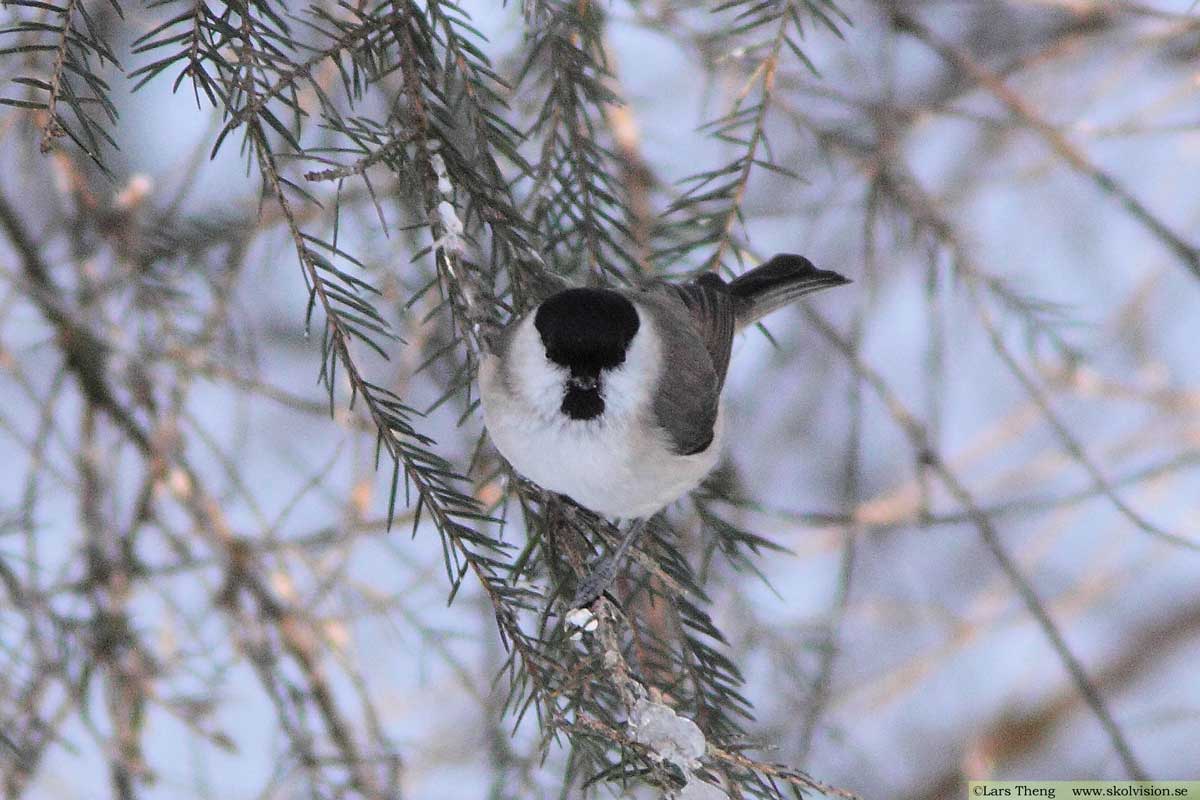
698,325
711,307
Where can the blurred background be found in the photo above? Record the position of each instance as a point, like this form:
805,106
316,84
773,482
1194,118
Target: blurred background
981,459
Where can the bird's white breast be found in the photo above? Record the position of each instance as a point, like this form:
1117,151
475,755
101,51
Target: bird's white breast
619,464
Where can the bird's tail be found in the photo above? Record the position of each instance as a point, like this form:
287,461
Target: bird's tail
776,283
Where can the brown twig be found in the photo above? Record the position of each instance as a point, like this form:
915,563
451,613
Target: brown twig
1187,253
915,432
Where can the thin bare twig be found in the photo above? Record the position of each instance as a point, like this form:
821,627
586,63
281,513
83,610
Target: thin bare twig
1187,253
915,432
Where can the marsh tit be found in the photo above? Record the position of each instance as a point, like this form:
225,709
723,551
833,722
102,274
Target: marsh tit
613,396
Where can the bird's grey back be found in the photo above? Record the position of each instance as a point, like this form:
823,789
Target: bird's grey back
696,326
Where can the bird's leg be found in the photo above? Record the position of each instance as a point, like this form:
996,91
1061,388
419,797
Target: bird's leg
604,570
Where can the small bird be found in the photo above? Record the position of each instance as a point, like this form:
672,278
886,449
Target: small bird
613,396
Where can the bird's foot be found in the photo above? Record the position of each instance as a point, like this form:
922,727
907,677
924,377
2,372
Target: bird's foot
604,571
598,581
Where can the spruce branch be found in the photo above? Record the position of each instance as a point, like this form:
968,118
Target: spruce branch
712,201
575,202
70,82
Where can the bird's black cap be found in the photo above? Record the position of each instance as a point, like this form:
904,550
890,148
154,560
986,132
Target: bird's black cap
586,331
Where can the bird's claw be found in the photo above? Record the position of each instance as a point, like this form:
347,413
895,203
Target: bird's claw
595,583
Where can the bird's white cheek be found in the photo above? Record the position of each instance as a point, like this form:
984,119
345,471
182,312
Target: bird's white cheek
628,390
534,378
